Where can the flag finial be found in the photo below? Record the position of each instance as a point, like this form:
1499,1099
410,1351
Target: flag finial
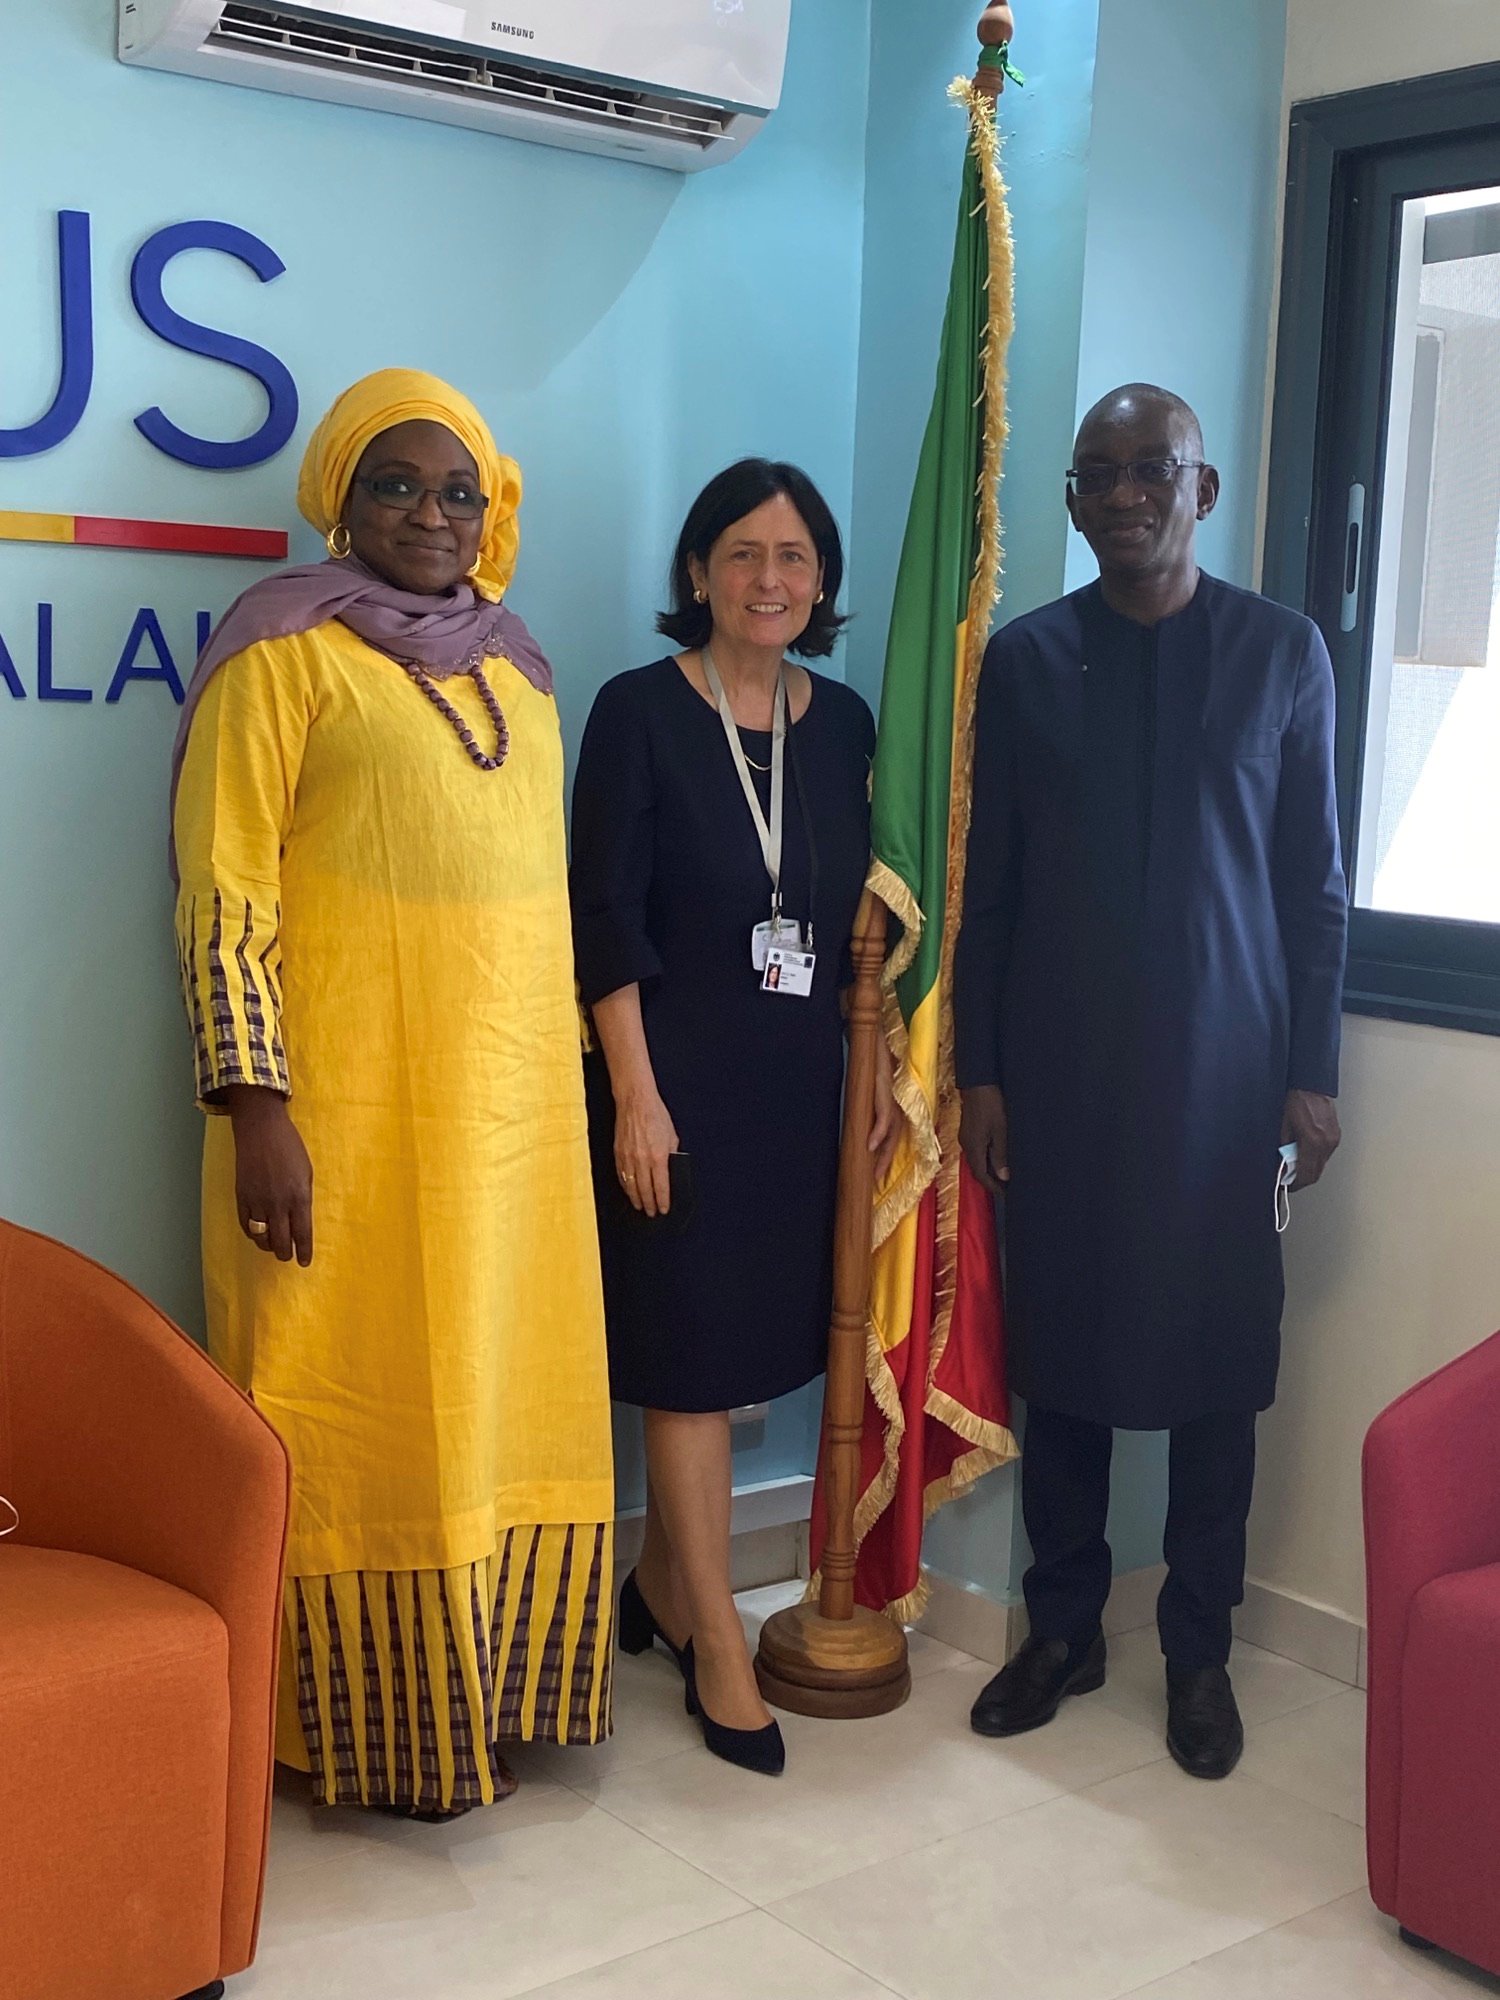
997,27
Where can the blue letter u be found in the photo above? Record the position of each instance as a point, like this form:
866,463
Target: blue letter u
76,317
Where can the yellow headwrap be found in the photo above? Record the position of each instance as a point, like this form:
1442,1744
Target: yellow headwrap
397,396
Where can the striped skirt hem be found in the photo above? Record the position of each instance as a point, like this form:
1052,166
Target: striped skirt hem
408,1681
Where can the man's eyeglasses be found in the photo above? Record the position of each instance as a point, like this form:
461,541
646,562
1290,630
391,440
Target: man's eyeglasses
459,502
1093,482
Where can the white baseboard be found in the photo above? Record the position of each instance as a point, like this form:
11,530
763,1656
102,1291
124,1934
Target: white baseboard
976,1623
1279,1621
769,1529
972,1622
1132,1600
773,1503
771,1546
1314,1635
1276,1620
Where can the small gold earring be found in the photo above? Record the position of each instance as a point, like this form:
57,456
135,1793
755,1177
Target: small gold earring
700,597
819,598
340,541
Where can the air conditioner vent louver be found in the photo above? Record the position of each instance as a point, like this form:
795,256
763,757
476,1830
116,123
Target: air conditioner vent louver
350,50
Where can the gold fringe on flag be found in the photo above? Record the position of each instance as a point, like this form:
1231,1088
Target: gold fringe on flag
933,1154
902,1196
994,1444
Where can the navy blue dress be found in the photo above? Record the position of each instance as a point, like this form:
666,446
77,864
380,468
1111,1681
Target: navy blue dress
1151,956
667,884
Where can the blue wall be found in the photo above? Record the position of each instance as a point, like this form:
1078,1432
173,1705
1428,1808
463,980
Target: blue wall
1182,233
915,157
626,331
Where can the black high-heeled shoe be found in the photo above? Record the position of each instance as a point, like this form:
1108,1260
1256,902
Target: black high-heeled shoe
759,1750
639,1631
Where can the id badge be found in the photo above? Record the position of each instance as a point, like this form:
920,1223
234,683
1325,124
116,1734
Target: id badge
786,933
789,971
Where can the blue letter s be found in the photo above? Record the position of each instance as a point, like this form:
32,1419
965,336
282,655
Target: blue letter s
281,392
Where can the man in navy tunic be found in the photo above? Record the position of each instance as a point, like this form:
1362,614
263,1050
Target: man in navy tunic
1147,1005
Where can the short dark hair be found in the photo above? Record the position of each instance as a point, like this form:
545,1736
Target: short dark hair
734,493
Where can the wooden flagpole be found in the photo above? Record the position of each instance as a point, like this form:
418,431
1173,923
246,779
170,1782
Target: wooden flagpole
837,1658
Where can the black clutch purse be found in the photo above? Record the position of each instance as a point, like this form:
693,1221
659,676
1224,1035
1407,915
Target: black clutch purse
677,1217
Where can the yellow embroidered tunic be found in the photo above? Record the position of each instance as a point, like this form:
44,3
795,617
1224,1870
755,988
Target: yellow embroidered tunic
372,924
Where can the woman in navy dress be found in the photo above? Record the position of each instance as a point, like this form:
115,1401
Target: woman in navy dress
715,1090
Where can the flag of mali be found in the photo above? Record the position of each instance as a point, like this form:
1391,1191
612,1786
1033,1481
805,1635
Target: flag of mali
936,1412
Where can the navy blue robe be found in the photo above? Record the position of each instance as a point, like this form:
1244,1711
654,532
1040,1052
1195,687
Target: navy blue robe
1151,956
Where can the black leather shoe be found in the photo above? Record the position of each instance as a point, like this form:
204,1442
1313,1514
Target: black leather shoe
1204,1731
1032,1688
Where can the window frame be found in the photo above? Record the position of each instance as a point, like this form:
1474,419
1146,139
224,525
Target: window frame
1433,970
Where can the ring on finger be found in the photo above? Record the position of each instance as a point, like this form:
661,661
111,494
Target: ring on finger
258,1228
628,1179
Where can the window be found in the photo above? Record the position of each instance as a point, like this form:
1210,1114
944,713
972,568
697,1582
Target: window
1385,518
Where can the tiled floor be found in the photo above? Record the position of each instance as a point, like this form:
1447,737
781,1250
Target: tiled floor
898,1856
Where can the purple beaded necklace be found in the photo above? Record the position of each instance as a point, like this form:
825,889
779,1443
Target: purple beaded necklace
466,735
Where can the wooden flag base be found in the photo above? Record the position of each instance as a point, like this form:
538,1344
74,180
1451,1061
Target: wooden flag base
836,1658
838,1668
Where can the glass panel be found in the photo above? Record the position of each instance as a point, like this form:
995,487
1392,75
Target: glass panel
1430,817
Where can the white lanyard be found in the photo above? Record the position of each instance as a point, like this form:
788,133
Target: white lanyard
769,832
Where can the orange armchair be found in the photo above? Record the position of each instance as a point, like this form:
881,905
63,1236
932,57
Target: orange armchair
140,1604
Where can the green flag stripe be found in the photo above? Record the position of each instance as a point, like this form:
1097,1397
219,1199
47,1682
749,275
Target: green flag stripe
913,757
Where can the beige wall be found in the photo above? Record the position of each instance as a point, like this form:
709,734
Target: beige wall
1393,1264
1393,1267
1337,45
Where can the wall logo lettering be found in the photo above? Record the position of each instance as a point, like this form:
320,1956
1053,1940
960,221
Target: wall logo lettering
145,655
75,287
28,662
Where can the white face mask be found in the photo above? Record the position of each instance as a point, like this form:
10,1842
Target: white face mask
1286,1176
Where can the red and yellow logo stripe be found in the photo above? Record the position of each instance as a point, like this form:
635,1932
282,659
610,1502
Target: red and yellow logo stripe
183,538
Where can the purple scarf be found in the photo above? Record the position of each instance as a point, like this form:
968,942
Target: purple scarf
446,634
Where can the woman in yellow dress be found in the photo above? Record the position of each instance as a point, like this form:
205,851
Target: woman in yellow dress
399,1247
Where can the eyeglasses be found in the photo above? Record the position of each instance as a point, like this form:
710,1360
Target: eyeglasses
1093,482
459,502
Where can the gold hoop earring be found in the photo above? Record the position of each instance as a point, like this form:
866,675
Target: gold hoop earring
819,598
700,597
340,541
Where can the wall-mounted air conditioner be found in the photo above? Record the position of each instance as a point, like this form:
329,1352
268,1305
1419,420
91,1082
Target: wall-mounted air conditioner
671,83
